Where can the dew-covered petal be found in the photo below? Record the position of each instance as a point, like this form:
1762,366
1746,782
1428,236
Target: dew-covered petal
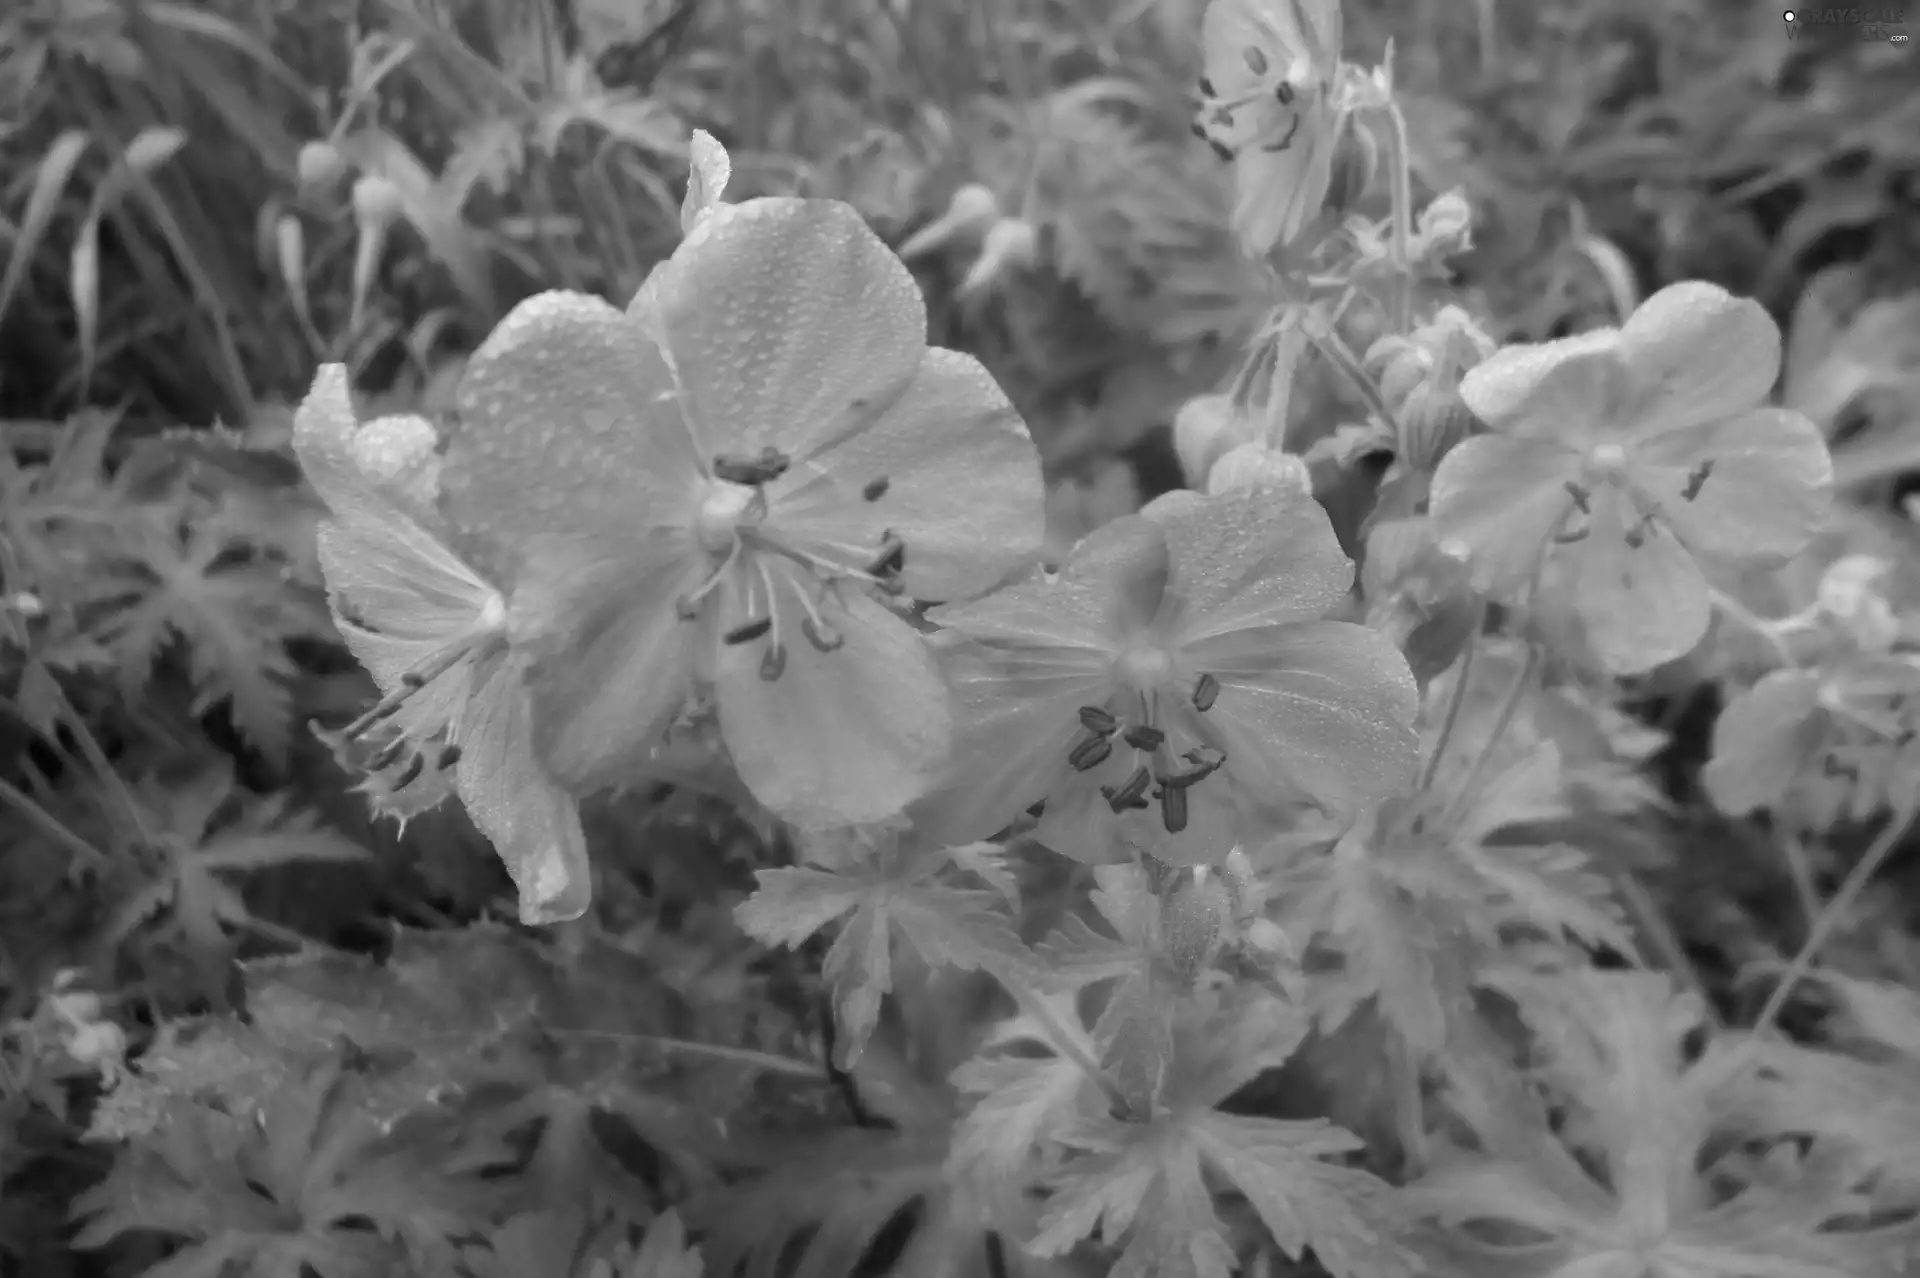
1696,352
1111,586
948,466
1643,605
843,737
569,424
532,823
1501,498
1015,720
390,575
791,324
364,472
1754,488
1323,710
1250,557
1567,389
1278,192
613,659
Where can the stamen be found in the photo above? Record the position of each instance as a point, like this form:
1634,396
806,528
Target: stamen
449,755
1256,60
1090,753
1096,719
1199,130
1142,737
1173,807
1636,536
773,662
892,558
823,637
752,471
1283,93
1274,148
411,773
1132,794
1221,149
1696,479
1205,693
388,754
875,489
748,632
1580,496
1568,538
1207,89
687,606
1206,762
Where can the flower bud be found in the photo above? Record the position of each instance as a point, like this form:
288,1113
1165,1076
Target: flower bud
1193,919
320,165
1445,228
1010,242
1257,466
1852,592
376,201
1205,429
1420,380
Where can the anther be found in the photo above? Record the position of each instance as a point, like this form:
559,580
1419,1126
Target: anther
1142,737
1568,538
892,558
752,471
1095,719
1173,807
413,679
1696,479
410,773
1207,89
1198,130
773,662
1256,60
1222,150
749,632
1283,92
1132,794
449,755
1090,753
1274,148
823,637
1637,535
875,489
1580,496
1205,693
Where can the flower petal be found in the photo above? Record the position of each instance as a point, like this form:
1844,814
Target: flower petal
1111,585
1321,709
1501,498
1249,557
843,737
394,581
1768,491
1015,722
1565,389
364,472
1696,352
532,823
1277,192
568,422
1643,605
791,324
613,659
948,466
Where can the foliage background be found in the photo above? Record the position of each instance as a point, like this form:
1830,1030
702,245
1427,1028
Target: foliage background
181,860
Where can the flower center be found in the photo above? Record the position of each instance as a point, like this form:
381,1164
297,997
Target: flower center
725,508
1607,462
1150,755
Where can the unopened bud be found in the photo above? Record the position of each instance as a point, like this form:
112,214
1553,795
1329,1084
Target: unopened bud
376,201
1010,242
1257,466
1445,229
1852,592
1204,430
320,165
1193,920
1420,381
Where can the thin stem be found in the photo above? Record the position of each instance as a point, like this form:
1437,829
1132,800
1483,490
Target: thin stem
1509,707
51,825
1832,917
1336,352
1399,243
1456,699
767,1061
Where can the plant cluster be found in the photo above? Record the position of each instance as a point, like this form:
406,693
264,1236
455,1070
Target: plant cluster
914,874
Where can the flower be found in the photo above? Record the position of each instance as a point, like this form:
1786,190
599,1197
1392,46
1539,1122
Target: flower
1268,104
721,483
1623,456
432,632
1174,687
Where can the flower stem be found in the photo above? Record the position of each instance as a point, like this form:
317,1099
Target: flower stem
1456,698
1509,707
1399,242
